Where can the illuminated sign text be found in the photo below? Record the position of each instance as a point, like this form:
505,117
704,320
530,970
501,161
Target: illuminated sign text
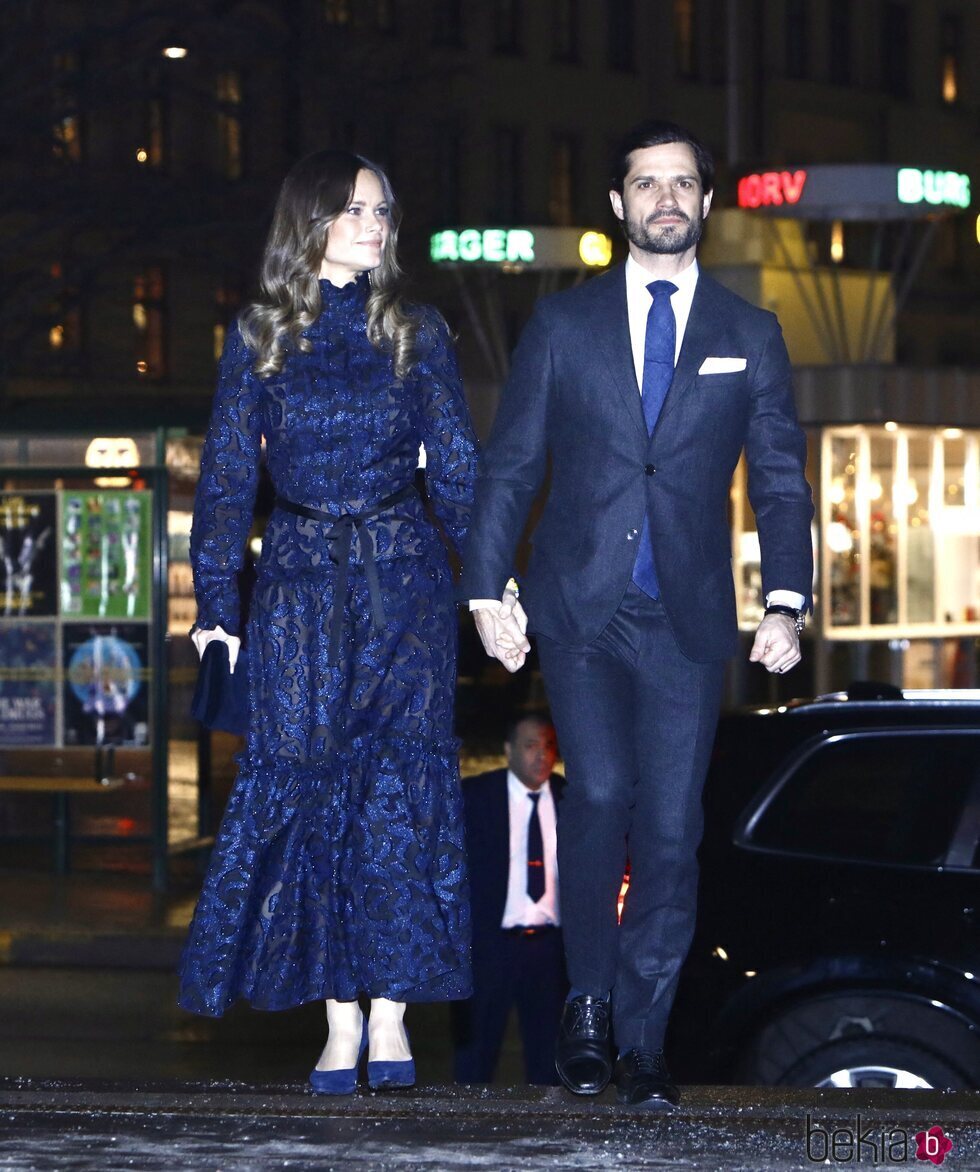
493,245
935,187
771,188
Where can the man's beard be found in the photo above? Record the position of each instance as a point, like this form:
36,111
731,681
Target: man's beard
671,240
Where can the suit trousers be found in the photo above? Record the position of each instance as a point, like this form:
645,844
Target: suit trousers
636,721
511,969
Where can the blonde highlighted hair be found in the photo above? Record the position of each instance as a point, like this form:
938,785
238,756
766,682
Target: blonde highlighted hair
317,190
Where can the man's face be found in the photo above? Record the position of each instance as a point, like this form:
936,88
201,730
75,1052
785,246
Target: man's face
532,752
662,206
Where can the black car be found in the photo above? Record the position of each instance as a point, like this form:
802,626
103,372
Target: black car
837,941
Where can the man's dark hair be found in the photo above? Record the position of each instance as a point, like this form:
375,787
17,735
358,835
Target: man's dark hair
657,132
541,719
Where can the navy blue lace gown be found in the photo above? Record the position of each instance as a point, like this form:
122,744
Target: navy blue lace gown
339,868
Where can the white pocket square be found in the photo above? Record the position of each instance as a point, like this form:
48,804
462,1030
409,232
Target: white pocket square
722,365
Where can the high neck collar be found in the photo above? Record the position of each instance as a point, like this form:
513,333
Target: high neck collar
353,293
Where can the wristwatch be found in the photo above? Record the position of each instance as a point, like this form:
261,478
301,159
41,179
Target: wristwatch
798,616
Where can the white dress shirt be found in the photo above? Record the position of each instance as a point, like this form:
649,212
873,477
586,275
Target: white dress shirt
520,909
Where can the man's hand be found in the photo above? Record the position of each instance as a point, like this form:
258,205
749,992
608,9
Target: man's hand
777,644
501,627
201,639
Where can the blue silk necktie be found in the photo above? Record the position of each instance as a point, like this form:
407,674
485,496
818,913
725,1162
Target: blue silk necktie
658,371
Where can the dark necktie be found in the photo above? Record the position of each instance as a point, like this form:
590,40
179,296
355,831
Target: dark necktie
658,371
535,852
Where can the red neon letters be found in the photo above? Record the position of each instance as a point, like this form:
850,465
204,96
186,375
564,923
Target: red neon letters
771,188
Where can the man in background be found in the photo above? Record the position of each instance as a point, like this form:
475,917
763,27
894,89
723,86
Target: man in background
518,957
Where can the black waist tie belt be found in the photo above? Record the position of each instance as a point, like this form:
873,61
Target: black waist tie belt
342,532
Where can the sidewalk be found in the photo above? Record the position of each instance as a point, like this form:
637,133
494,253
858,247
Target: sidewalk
106,919
93,1126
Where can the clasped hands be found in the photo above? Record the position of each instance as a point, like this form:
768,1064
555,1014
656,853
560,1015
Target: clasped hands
502,627
201,639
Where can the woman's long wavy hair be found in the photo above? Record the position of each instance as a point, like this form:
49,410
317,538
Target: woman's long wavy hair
313,194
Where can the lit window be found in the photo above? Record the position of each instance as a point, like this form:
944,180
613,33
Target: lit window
65,330
685,38
227,303
149,322
337,11
562,179
951,37
66,123
229,94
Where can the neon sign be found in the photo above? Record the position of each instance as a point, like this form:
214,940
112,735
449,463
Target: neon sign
935,187
490,245
595,249
771,188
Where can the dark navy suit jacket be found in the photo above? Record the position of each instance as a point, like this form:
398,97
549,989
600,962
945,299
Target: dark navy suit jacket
572,398
487,814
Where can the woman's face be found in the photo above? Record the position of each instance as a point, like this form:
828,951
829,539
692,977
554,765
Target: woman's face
356,239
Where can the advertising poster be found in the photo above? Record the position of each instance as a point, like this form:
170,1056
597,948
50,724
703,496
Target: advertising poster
105,555
28,554
106,689
28,696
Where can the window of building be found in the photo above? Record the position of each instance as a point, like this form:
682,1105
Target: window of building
950,40
230,125
386,16
151,149
685,38
564,30
621,35
149,322
228,299
449,169
508,178
508,21
839,41
797,39
895,49
875,798
447,22
65,329
66,125
563,179
337,12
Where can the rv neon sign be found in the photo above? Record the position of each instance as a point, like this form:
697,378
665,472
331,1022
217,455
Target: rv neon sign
771,188
935,187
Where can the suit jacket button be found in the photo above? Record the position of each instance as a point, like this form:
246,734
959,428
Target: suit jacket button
649,470
631,535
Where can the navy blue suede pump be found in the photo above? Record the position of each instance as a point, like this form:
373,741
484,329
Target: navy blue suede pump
391,1074
342,1082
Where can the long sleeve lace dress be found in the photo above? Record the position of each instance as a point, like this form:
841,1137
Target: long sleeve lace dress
339,867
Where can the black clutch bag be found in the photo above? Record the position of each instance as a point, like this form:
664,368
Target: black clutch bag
221,697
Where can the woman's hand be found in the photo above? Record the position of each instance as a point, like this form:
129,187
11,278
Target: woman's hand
201,639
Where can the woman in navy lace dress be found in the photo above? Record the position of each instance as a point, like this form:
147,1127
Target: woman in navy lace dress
339,869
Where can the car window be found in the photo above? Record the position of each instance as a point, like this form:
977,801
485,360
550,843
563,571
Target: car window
893,798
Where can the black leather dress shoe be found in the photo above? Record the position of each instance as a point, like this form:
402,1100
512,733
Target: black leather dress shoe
642,1080
582,1055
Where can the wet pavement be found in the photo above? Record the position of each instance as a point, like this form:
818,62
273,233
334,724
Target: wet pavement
224,1126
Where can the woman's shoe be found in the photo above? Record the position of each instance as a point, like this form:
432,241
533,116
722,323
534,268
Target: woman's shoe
340,1082
391,1074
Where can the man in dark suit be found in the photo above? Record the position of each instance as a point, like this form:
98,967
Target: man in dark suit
517,947
643,386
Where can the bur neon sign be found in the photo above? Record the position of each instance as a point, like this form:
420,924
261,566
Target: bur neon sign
936,187
771,189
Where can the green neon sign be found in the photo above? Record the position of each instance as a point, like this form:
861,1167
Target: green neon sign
935,187
486,245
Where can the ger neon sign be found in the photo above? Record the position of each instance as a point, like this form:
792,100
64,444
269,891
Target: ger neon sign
771,189
493,245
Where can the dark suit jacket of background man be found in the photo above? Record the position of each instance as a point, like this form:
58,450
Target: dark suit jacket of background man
573,394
